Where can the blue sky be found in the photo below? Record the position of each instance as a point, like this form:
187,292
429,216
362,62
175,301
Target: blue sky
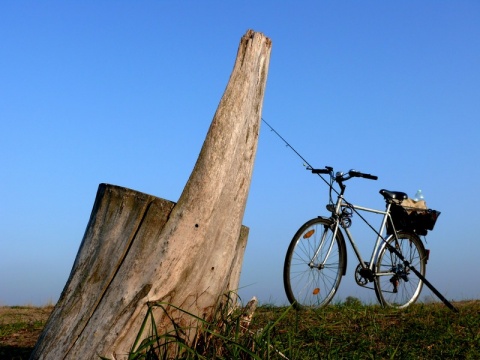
123,92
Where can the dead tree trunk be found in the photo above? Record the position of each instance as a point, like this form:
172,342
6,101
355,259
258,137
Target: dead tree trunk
138,248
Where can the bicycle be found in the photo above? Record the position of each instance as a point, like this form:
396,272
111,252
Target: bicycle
316,259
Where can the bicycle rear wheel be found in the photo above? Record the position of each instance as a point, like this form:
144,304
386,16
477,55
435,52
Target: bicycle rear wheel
396,285
314,264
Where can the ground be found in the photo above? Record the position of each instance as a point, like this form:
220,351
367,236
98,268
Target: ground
20,327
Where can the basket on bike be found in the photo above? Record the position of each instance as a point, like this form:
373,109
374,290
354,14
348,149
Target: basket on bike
412,219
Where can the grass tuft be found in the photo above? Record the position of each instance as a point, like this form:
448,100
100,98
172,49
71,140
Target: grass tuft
225,336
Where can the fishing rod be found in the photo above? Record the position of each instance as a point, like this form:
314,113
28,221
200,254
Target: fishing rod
288,145
305,162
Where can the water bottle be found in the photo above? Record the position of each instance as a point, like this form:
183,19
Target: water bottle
419,196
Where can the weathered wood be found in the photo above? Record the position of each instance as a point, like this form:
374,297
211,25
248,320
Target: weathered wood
247,315
117,216
236,266
139,249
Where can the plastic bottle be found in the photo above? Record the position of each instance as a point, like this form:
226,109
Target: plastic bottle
419,196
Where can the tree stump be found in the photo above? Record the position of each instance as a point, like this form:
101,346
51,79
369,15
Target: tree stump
139,249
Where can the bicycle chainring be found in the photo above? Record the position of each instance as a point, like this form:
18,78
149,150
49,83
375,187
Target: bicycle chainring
363,275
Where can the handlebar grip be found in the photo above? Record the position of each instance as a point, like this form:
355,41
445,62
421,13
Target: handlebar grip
365,176
320,171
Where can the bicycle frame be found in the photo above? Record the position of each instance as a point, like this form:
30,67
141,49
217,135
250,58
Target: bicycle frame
336,217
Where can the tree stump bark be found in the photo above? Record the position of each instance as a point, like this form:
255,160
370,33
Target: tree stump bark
139,249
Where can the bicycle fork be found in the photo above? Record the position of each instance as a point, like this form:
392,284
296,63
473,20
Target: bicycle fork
321,265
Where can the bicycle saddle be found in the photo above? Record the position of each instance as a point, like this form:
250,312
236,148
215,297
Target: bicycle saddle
393,195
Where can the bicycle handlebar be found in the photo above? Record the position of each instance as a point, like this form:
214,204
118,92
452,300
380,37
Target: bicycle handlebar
341,176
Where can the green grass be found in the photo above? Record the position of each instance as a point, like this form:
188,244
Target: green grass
341,331
370,332
19,319
348,330
9,329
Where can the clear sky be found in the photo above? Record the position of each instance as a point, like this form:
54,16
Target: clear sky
123,92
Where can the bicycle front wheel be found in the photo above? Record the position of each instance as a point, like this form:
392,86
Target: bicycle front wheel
314,264
396,285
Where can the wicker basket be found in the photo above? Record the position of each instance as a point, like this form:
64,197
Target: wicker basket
411,219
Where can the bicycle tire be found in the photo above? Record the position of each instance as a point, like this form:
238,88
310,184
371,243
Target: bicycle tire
395,284
307,285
